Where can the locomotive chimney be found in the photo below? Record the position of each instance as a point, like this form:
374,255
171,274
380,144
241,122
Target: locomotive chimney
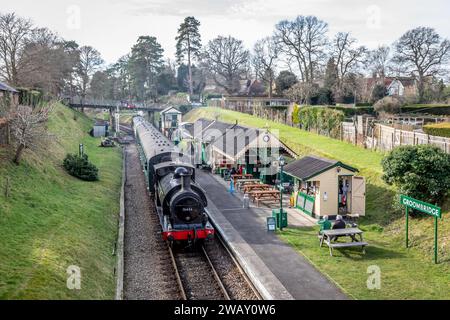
185,177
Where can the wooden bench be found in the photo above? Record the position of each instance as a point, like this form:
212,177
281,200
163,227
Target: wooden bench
348,245
329,235
241,177
256,187
263,196
241,183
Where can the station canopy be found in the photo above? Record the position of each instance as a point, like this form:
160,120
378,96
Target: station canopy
233,141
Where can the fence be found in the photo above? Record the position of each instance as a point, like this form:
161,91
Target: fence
387,138
4,133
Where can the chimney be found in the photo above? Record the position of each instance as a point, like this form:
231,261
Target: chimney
185,177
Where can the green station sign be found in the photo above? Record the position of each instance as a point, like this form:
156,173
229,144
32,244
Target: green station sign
421,206
427,208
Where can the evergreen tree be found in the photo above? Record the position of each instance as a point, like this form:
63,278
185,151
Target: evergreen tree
189,45
146,63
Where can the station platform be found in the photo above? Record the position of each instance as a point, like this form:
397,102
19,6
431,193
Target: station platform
276,269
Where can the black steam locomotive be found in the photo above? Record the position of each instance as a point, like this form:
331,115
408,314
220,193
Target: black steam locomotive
180,201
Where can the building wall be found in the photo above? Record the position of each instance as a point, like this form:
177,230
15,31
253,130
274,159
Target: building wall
329,183
99,131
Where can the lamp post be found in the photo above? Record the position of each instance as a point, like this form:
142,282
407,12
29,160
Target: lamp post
282,162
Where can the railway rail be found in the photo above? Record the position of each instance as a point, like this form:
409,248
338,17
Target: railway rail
197,276
210,272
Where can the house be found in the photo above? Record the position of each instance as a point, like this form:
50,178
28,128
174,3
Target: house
275,108
170,118
9,100
403,87
395,86
325,187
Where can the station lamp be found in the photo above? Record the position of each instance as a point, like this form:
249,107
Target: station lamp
282,162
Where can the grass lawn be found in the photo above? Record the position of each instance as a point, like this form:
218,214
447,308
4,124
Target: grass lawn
53,221
406,274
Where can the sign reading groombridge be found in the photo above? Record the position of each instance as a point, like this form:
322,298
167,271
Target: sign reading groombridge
426,208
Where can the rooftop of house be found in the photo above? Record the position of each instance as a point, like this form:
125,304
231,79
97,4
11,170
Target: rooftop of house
5,87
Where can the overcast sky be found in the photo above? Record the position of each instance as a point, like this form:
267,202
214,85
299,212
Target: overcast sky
113,26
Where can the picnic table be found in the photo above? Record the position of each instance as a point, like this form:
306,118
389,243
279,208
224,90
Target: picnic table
241,176
241,183
265,195
329,236
256,187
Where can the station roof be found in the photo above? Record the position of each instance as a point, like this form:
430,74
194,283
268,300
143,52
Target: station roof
171,110
310,167
233,140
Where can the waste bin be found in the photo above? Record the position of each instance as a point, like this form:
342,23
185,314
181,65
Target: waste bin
246,201
282,218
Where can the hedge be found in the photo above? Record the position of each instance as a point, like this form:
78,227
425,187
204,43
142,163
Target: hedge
439,130
323,120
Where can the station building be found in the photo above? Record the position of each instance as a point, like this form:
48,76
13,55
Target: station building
223,146
325,187
170,119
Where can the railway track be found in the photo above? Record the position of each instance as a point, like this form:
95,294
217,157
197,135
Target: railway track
197,276
248,282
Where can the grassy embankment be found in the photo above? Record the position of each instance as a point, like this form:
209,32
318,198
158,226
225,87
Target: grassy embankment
406,273
52,221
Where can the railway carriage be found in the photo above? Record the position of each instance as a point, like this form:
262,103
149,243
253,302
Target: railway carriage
179,200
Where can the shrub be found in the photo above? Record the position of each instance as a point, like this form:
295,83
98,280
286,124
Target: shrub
80,167
440,130
325,121
378,93
421,172
390,105
295,118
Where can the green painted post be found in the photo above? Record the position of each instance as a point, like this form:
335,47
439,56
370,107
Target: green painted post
407,228
436,240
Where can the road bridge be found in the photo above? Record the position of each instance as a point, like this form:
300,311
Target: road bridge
113,107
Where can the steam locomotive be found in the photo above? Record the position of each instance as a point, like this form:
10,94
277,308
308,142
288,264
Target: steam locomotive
179,200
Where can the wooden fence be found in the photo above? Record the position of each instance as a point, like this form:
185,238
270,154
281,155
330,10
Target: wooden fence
385,138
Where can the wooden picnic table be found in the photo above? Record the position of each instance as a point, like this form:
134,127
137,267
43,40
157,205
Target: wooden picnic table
256,187
265,195
329,236
243,182
241,176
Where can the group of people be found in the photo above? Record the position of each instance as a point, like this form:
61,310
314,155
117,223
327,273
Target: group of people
325,224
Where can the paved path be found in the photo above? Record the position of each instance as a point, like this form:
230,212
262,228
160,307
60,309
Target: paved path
300,278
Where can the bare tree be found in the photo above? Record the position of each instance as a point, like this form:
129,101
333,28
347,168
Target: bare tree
44,63
423,53
265,55
304,42
90,61
378,61
347,57
14,32
29,129
227,61
302,92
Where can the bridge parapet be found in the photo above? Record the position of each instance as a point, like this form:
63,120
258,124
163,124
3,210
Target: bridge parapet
78,102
